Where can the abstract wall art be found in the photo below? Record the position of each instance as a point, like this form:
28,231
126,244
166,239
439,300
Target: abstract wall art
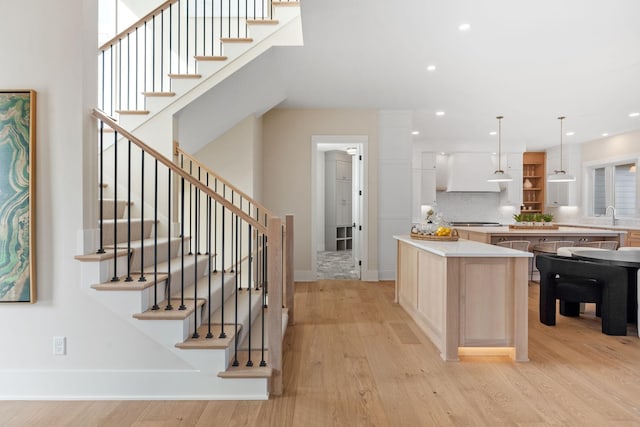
17,196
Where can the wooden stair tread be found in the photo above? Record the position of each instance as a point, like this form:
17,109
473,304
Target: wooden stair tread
185,76
108,254
175,314
159,94
285,4
135,285
133,112
262,22
244,371
210,58
236,40
204,343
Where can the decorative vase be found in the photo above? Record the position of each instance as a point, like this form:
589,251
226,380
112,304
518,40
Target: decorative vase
527,184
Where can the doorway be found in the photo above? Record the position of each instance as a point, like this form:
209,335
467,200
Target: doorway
338,217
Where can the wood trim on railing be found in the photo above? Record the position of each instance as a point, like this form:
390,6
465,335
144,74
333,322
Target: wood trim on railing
178,170
263,210
138,23
274,312
288,267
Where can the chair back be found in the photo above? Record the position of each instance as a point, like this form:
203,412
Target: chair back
602,244
569,250
552,246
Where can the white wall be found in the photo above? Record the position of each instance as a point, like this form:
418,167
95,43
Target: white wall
394,173
287,172
56,56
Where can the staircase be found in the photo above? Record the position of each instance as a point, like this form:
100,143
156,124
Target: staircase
182,49
183,256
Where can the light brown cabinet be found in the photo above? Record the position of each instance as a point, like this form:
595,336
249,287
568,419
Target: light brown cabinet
533,182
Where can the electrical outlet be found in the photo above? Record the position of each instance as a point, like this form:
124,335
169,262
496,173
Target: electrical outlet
59,346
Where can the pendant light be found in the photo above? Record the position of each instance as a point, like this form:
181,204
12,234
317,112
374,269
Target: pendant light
499,175
560,175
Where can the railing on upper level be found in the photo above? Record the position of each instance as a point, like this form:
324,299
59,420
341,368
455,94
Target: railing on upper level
235,236
167,43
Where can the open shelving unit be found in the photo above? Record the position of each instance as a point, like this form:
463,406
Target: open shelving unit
533,173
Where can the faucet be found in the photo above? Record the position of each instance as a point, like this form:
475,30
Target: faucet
613,214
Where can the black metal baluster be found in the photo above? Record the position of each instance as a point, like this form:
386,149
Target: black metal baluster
195,30
103,101
101,191
186,56
142,278
190,206
239,248
182,306
209,334
128,72
264,296
120,74
115,207
170,42
137,70
233,267
235,322
169,306
155,239
195,275
179,33
250,265
222,334
129,254
215,229
197,245
162,52
144,72
153,54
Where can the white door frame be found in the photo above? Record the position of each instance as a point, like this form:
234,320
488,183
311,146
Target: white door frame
361,142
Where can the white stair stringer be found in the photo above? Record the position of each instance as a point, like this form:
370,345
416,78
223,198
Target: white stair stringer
202,382
288,32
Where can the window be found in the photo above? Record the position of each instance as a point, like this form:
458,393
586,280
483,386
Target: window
615,185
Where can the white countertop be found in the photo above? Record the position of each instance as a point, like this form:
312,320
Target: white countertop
564,231
464,248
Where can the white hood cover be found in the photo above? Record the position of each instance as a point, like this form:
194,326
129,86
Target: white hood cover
469,172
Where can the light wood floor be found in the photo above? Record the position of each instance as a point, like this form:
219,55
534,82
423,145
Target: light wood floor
355,359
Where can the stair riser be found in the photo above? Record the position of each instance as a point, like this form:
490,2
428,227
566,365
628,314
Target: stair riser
138,231
215,299
163,253
189,273
108,209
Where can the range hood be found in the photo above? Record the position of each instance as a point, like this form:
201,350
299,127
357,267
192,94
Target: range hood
469,172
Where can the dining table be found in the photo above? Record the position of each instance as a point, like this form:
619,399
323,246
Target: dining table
628,259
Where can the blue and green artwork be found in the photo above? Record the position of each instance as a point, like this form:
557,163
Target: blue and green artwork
16,139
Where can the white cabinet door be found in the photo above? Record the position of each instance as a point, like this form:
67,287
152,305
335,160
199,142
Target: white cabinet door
343,203
424,182
511,192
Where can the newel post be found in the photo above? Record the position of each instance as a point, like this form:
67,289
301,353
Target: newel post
288,267
274,312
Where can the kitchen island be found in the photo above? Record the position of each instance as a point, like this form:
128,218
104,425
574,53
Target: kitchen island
469,298
577,235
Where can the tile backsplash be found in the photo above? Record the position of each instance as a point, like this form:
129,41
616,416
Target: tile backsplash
467,206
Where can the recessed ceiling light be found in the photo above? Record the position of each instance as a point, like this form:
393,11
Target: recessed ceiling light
443,153
415,132
439,113
634,114
605,134
493,132
464,27
570,133
431,68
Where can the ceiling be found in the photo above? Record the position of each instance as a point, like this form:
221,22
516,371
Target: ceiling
530,61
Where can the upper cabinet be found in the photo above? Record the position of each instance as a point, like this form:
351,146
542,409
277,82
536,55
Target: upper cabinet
424,182
533,181
511,194
563,193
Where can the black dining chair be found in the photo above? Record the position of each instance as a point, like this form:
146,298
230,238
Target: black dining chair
575,281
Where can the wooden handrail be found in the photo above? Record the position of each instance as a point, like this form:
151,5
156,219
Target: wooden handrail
178,170
180,151
137,24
